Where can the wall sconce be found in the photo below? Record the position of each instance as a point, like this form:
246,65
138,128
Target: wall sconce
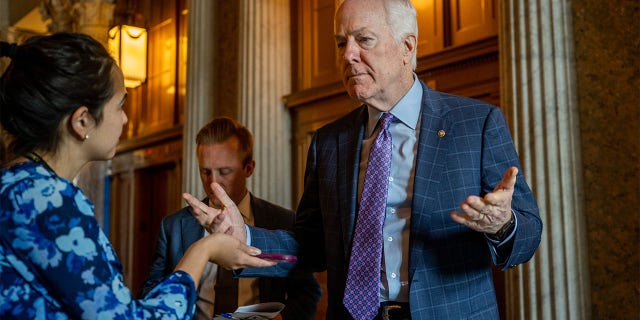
128,46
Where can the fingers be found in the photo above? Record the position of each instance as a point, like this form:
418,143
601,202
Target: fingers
503,192
488,213
250,250
230,253
253,261
221,195
508,180
220,224
195,203
200,210
210,218
475,209
230,211
474,219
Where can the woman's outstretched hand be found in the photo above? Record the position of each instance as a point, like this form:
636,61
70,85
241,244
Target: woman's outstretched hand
223,250
229,253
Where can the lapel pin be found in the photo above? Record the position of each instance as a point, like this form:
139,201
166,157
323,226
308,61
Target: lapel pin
441,133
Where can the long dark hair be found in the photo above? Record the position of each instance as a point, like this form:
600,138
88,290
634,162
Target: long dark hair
49,77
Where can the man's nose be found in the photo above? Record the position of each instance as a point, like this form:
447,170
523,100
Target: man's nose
351,52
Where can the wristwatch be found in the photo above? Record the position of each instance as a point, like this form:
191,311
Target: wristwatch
505,230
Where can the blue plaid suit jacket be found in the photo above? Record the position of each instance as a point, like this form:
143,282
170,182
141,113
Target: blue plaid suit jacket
449,264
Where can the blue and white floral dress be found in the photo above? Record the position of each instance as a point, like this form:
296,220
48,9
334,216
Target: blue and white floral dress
56,262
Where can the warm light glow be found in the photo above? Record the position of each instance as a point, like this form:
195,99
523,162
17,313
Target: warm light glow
422,4
128,45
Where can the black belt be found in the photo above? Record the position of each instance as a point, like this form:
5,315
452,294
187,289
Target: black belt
390,310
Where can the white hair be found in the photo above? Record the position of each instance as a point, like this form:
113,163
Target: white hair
401,18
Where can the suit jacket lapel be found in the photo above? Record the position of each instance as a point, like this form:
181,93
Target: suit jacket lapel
430,162
192,231
349,146
260,218
432,148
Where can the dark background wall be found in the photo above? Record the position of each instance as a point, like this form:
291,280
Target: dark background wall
607,50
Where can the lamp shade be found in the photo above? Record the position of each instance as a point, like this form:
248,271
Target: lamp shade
128,46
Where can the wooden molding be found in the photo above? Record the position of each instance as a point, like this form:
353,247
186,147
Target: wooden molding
146,141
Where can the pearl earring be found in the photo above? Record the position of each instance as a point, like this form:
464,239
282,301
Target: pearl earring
86,137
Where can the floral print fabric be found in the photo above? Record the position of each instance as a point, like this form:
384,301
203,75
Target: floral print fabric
56,263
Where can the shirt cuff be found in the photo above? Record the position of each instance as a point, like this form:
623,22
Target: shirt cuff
248,233
499,243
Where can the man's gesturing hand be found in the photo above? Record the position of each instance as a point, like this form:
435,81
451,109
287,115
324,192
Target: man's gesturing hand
226,219
491,213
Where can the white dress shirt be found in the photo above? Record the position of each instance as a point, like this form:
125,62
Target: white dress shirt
394,277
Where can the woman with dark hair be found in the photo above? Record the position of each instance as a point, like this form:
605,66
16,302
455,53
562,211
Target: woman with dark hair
61,101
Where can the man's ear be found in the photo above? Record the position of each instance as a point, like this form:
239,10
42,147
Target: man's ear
249,167
81,123
410,44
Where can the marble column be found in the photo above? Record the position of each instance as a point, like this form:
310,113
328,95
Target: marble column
201,80
265,77
538,91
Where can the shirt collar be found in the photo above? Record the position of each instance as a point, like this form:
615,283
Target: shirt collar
407,110
245,208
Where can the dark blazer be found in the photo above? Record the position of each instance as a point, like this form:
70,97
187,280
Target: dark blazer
300,292
449,264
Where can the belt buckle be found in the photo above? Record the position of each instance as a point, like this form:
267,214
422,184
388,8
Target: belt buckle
385,311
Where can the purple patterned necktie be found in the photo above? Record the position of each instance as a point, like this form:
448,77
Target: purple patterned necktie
362,288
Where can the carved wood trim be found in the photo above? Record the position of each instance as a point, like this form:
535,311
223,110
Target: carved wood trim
458,55
150,140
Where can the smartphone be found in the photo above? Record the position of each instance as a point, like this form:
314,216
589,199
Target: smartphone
278,257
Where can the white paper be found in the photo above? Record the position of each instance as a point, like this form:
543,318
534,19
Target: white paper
266,310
